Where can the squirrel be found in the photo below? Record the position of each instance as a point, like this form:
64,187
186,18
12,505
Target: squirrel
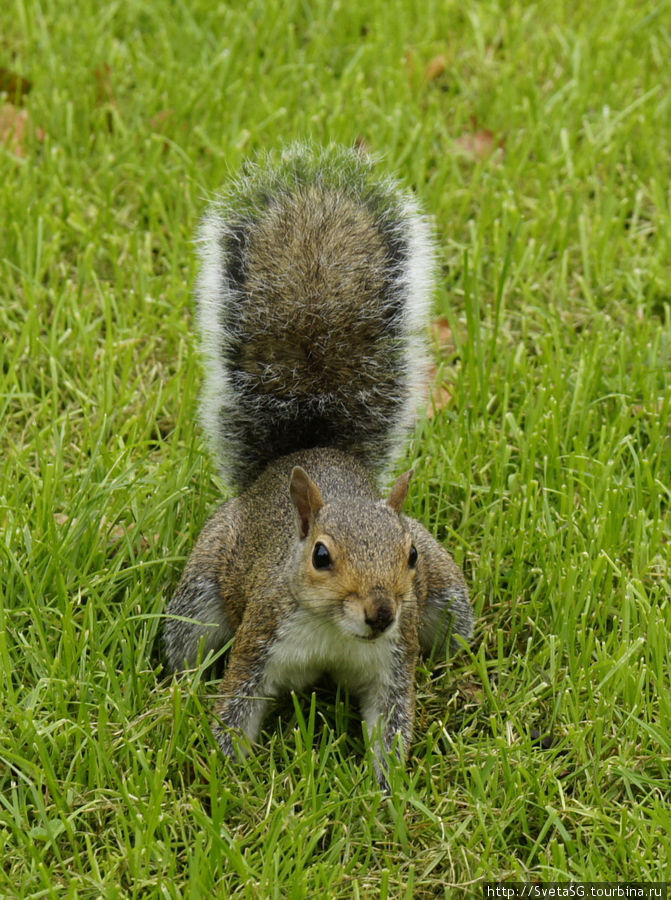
312,302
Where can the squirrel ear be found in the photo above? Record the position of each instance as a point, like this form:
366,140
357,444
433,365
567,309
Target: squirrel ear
398,492
306,498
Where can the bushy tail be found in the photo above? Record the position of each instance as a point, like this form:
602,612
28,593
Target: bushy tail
313,297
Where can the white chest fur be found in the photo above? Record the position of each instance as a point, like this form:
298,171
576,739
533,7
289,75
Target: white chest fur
308,646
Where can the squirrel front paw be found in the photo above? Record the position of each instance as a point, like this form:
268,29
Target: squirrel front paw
225,738
238,715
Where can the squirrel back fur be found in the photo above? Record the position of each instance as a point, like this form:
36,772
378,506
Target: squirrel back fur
313,298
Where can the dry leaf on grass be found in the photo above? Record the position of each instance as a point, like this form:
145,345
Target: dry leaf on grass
13,127
439,394
118,532
480,143
114,533
158,120
361,146
442,336
103,75
160,123
443,340
105,93
435,68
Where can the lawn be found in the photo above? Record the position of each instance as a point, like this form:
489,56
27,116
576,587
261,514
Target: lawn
538,137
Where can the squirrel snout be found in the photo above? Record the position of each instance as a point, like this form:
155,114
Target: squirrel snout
378,615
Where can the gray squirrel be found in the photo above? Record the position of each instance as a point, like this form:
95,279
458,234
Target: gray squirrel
313,298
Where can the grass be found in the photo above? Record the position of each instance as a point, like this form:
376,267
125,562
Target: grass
548,474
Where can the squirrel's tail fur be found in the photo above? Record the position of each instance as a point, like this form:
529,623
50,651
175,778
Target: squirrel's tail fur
313,299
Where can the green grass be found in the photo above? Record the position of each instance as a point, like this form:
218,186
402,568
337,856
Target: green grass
548,474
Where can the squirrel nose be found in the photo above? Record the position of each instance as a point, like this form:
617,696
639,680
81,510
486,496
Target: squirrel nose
381,620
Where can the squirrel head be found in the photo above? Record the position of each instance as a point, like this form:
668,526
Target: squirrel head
356,561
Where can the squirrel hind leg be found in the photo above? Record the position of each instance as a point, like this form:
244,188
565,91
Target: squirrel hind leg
445,611
196,622
447,619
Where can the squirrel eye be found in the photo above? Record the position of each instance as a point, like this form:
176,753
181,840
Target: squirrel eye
412,559
321,558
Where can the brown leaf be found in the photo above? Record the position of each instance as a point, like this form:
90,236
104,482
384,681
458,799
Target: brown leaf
442,335
409,60
103,75
105,93
157,121
13,125
361,146
63,519
116,533
480,144
14,85
435,68
443,340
